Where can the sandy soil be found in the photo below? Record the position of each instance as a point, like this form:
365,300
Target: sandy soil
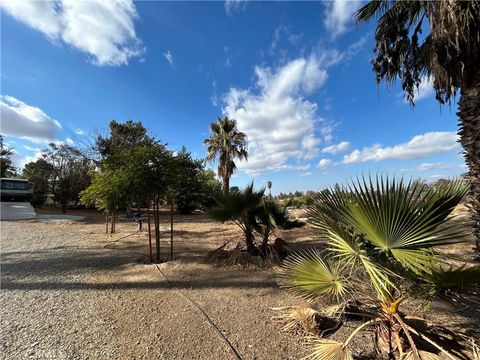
71,292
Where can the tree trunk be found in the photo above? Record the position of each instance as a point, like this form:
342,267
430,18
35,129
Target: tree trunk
156,216
251,248
226,184
149,234
469,117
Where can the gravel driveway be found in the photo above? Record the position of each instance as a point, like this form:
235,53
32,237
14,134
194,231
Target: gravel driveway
68,292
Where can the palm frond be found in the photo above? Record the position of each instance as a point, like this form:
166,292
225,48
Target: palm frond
424,355
310,275
326,349
459,279
298,319
401,221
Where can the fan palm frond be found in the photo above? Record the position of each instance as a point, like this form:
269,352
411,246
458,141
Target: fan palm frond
423,355
460,278
310,275
326,349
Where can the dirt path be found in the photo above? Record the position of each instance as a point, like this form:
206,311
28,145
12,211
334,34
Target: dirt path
65,296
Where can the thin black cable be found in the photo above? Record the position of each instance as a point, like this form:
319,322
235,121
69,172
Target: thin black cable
212,324
205,315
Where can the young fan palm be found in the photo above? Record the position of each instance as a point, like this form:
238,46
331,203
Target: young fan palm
242,207
254,214
448,54
226,143
382,236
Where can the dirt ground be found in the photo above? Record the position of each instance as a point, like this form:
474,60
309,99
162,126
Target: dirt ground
68,291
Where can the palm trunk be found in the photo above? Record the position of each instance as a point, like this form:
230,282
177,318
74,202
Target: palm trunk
469,116
226,184
251,248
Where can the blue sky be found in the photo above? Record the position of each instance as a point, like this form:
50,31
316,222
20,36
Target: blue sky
296,76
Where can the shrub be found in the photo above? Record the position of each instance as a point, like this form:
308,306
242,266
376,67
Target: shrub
382,241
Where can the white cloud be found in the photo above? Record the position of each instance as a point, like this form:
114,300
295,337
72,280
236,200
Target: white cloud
20,160
294,167
281,32
30,148
80,132
279,122
419,146
337,148
431,166
69,141
168,55
22,120
425,89
324,163
308,173
233,5
102,29
339,14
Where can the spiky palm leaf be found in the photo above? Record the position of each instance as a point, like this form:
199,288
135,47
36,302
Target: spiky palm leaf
459,279
310,276
394,221
242,207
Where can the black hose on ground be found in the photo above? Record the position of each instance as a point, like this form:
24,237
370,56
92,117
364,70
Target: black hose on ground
205,315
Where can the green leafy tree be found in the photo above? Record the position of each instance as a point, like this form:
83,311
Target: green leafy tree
383,238
188,184
448,53
211,187
121,136
70,173
226,144
113,148
40,173
7,168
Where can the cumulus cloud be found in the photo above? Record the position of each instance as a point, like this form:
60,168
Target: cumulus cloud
22,120
279,121
339,14
419,146
234,5
324,163
337,148
168,55
102,29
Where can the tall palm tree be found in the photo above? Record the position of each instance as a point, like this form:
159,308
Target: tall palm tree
226,143
448,52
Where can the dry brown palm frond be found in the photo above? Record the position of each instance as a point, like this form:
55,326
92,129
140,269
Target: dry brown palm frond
326,349
475,351
298,319
422,355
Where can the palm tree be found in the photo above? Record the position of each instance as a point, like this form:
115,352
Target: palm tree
381,241
448,54
226,143
269,185
243,207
